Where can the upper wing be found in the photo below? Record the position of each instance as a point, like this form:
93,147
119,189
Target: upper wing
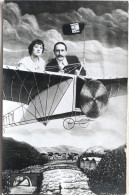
41,91
115,87
22,86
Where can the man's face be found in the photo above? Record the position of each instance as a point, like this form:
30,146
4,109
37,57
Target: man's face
60,52
37,50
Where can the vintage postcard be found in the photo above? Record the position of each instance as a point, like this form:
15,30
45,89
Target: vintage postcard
64,86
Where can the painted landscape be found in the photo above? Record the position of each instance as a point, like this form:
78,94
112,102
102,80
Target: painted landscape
40,157
94,171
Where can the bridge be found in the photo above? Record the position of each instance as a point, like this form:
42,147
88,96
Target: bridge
25,179
33,176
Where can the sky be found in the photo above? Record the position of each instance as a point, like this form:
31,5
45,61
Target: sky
103,44
109,130
62,6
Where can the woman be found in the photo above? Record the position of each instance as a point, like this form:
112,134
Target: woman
33,62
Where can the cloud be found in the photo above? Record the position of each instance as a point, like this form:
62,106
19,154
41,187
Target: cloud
100,62
52,36
23,29
104,61
109,29
30,20
11,13
9,31
86,13
121,17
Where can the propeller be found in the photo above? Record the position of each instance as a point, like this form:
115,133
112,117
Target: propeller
93,99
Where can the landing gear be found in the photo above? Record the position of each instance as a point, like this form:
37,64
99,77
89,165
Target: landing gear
84,122
68,123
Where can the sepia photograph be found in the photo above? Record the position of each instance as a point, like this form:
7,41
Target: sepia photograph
64,97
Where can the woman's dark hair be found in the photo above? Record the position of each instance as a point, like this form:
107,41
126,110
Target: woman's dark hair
37,41
60,43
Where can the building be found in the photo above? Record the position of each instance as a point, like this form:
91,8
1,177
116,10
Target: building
89,162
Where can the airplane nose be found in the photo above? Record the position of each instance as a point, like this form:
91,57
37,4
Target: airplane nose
93,99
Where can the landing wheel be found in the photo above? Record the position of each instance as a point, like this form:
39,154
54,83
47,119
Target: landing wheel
68,123
83,123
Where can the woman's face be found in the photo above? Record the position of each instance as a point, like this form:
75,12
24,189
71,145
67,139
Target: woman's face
37,50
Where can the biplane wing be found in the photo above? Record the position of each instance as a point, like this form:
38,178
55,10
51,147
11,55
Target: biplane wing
42,92
46,95
23,86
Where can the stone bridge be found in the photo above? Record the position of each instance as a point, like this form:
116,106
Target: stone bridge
34,177
25,179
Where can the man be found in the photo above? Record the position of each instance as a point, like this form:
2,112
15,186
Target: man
60,188
64,63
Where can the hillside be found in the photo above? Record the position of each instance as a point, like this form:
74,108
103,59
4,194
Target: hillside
60,149
18,155
96,149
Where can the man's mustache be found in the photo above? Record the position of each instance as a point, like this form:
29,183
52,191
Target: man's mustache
60,56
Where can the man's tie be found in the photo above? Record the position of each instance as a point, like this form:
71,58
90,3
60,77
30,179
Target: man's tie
61,67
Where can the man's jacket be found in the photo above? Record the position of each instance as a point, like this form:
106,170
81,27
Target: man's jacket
73,64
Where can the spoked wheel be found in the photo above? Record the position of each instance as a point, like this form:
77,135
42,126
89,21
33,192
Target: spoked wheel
84,122
68,123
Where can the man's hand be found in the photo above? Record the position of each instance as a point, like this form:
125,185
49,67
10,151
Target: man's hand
77,72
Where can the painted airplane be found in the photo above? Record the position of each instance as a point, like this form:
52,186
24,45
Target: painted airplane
48,96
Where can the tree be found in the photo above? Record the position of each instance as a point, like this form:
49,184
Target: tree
110,174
